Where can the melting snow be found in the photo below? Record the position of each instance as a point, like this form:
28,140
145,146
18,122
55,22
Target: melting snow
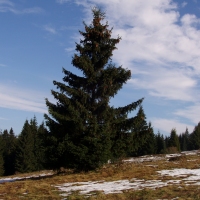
187,176
191,174
182,172
133,184
3,180
144,159
108,187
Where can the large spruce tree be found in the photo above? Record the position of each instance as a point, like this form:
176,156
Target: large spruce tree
83,127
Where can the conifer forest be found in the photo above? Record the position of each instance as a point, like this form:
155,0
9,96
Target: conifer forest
82,131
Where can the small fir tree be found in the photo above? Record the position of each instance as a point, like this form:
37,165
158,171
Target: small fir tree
25,157
173,141
1,163
160,144
143,136
184,141
150,146
39,148
82,125
9,151
195,138
1,155
30,151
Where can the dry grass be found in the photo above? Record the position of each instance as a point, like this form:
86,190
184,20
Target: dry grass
44,187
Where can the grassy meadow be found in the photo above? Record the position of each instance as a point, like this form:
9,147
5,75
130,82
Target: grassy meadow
144,169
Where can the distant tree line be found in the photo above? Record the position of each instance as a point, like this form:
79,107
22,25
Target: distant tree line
27,152
24,152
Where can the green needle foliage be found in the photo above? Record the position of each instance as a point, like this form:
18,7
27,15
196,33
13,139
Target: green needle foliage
9,151
30,147
25,159
84,130
1,155
195,138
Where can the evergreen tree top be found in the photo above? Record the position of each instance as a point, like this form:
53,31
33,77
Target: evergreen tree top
98,13
96,47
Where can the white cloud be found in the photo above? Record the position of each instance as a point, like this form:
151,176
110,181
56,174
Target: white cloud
189,20
33,10
184,4
70,50
61,1
190,112
167,125
174,84
154,34
50,29
21,99
2,118
6,2
8,6
161,48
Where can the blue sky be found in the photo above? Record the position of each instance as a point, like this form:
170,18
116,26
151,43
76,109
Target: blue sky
160,44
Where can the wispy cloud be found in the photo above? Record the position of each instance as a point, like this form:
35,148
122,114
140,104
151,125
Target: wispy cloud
63,28
9,6
184,4
2,118
62,1
161,47
50,29
70,50
21,99
168,124
6,2
174,84
190,112
6,6
2,65
154,34
33,10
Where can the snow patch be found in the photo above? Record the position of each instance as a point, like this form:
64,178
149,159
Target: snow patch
4,180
